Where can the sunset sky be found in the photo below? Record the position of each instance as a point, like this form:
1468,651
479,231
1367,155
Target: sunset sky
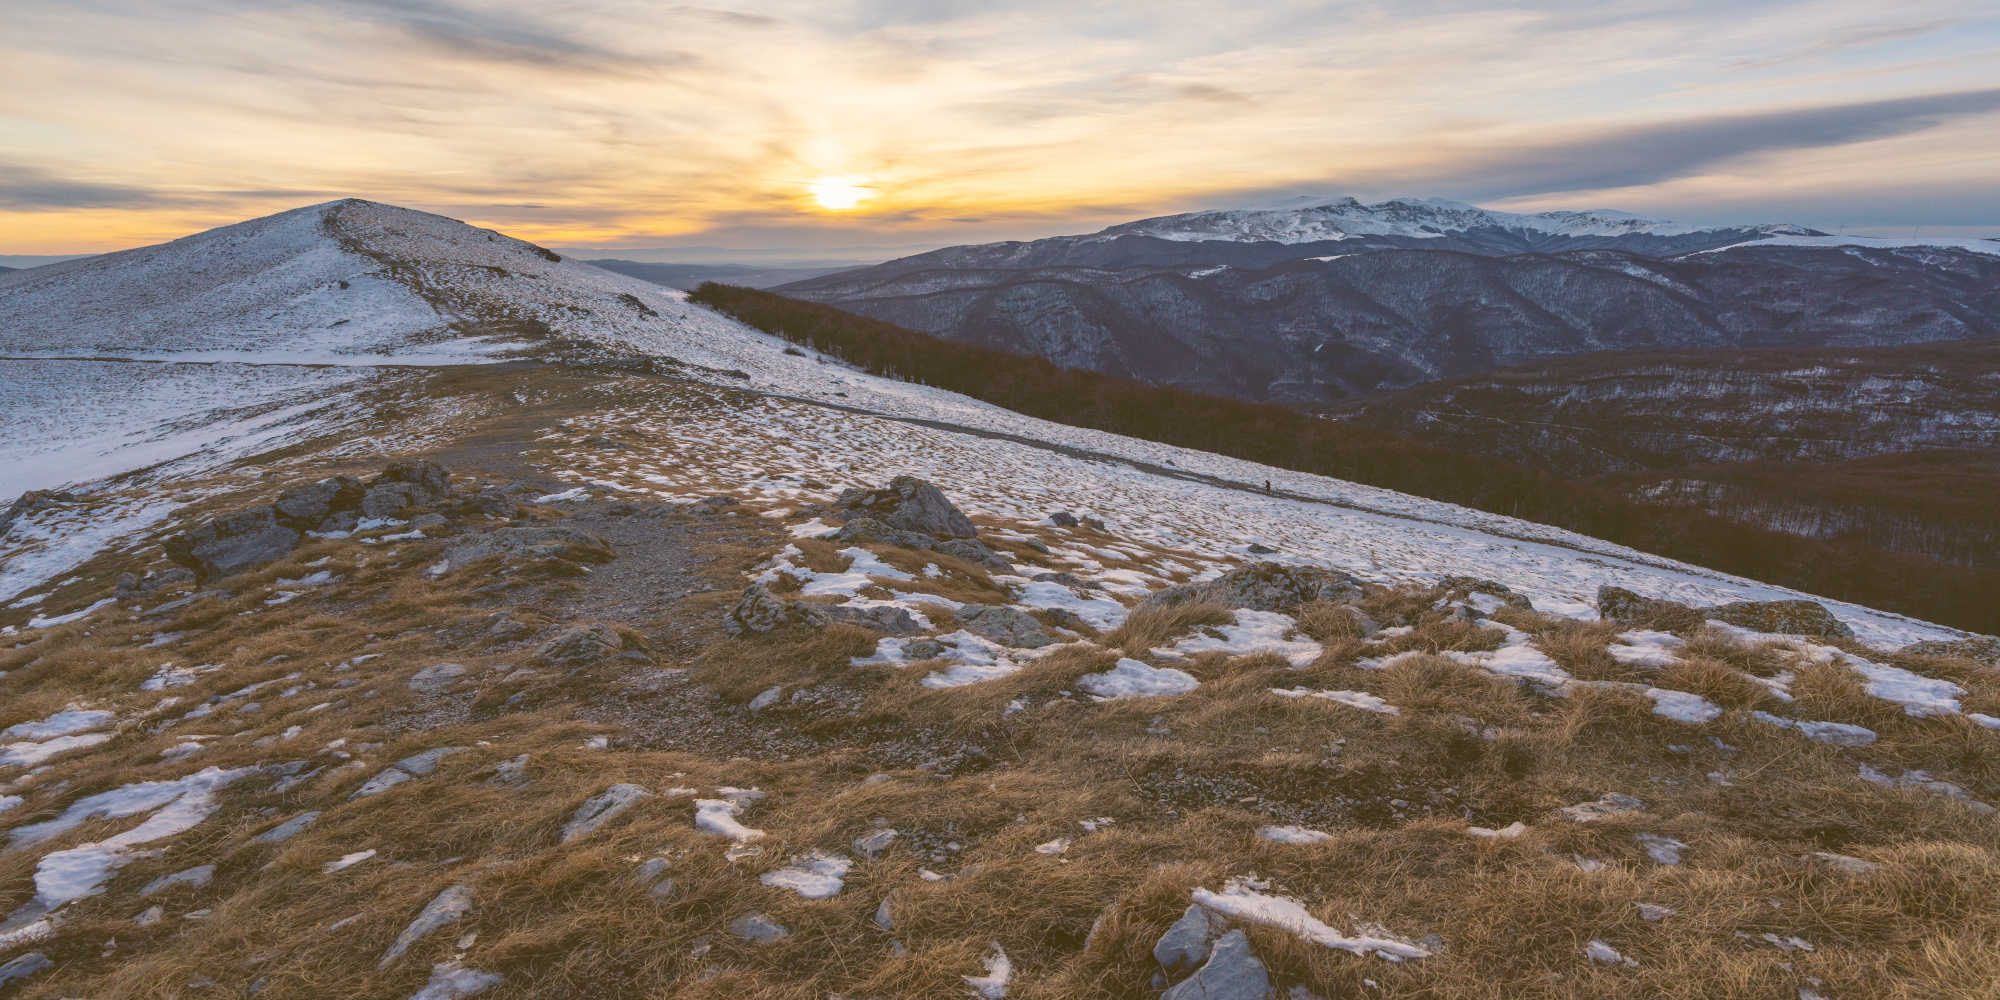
863,129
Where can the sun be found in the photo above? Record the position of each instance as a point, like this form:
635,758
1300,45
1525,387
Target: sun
838,194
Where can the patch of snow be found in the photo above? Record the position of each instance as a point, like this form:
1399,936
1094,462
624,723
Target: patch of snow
814,876
1354,699
1293,835
1240,899
1131,678
1252,632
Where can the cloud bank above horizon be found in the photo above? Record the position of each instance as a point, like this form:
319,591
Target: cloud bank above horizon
619,123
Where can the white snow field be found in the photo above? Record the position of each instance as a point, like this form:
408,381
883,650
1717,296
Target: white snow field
268,290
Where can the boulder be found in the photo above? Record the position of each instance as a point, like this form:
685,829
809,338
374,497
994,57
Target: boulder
30,502
868,529
908,503
1783,617
1984,649
881,617
603,808
973,550
491,501
581,646
1617,604
1263,586
435,678
306,505
1005,625
230,542
760,612
448,907
1185,945
391,499
430,480
528,546
1232,972
1460,588
1063,519
24,966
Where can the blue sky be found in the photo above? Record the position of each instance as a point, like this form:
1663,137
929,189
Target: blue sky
615,123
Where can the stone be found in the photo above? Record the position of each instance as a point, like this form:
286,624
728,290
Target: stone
306,505
760,612
1260,549
390,499
194,878
1188,942
339,521
1063,519
1611,804
31,502
1460,588
526,546
1617,604
908,503
429,479
511,773
885,916
868,529
1231,973
757,928
429,522
1005,625
602,808
582,645
973,550
881,617
436,678
230,542
1983,649
872,844
23,967
1783,617
288,829
424,764
1263,586
448,907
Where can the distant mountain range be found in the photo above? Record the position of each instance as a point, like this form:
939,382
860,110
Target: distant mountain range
1313,304
691,276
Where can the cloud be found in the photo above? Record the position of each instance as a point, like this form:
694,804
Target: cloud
493,36
31,189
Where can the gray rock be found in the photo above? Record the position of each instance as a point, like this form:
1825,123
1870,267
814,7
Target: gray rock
23,967
194,878
512,773
31,502
339,521
973,550
1187,943
872,844
882,618
436,678
760,612
1260,549
868,529
1231,973
757,928
429,479
408,769
423,764
1783,617
288,829
602,809
885,916
908,503
527,546
306,505
1263,586
1063,519
581,646
390,499
1620,605
1460,588
231,542
429,522
1005,625
1983,649
448,907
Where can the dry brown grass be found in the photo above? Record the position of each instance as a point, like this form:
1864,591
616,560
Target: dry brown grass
1579,648
1148,627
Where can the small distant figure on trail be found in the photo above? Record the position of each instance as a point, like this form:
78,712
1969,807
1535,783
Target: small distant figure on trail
1267,487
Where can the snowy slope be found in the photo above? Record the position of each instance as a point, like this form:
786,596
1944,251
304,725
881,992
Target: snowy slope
849,426
1420,218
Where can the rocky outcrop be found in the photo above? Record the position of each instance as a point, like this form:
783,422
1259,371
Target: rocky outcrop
1984,649
910,504
1617,604
235,541
1783,617
584,645
1005,625
760,612
1232,972
30,502
1461,588
1778,617
1263,586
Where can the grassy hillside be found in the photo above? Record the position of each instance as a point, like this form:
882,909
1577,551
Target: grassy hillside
1846,568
